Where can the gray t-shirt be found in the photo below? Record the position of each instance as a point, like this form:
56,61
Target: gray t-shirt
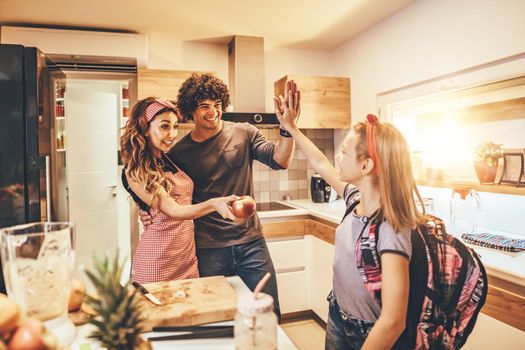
222,166
349,290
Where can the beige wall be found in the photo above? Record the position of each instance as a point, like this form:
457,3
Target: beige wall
428,39
166,53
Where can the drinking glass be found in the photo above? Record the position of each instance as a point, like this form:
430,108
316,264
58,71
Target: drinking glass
37,260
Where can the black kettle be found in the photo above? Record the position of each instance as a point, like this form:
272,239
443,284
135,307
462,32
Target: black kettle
319,189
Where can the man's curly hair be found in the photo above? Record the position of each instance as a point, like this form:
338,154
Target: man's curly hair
200,87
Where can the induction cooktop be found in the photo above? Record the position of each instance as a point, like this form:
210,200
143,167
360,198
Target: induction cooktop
271,206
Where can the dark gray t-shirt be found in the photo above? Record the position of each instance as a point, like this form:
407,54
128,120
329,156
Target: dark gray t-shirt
222,166
349,290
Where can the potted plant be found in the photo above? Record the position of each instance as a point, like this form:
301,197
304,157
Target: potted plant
488,155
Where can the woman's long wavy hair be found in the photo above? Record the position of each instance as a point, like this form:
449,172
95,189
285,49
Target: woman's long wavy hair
397,186
136,152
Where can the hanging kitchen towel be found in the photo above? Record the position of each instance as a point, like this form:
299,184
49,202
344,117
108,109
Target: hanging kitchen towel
490,240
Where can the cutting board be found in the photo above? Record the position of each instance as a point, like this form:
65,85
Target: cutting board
190,302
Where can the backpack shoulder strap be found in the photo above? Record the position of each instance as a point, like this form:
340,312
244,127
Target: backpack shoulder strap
352,206
350,209
367,258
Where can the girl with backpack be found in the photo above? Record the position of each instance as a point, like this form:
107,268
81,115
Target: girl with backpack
374,178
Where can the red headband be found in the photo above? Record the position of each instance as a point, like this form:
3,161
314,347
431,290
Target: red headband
371,141
156,106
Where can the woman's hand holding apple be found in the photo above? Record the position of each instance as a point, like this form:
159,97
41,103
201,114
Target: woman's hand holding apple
244,207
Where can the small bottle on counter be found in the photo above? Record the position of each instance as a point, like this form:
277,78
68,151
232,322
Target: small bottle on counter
255,323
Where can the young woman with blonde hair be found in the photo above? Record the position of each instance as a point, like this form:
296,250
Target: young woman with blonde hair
166,250
375,179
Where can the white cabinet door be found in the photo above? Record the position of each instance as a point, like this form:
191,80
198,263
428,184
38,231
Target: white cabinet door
293,291
320,273
289,259
490,333
287,253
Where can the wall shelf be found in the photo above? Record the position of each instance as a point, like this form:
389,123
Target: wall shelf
503,189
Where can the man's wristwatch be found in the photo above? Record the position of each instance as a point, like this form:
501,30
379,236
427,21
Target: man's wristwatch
284,133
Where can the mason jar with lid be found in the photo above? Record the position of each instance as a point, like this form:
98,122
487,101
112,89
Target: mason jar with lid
255,323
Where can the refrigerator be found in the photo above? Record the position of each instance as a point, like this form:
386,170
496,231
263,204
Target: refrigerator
32,151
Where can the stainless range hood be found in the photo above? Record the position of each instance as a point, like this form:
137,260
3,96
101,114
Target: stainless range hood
246,82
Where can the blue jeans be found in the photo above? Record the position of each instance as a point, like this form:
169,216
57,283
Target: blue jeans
250,261
344,332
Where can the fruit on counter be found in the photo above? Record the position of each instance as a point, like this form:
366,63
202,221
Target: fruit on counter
29,336
18,332
78,292
243,207
9,316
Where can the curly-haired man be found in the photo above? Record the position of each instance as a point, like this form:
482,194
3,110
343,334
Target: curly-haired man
218,156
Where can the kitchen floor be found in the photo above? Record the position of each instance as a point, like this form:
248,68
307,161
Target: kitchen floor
305,334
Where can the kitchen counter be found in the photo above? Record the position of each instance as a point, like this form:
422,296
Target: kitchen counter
503,265
283,342
292,212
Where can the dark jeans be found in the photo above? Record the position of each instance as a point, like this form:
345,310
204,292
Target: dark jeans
250,261
344,332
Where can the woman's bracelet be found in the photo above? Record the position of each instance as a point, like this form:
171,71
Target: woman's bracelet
284,133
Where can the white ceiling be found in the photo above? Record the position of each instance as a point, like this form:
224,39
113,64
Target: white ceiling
305,24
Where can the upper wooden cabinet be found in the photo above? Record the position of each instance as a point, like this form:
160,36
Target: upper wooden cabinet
160,83
325,101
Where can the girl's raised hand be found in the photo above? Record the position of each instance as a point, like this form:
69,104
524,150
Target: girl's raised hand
288,108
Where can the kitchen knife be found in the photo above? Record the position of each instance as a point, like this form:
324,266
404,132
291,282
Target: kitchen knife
146,293
204,334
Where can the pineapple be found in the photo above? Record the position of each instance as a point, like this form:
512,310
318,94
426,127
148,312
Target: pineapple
118,315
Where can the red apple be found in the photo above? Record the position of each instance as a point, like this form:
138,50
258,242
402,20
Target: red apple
243,207
28,336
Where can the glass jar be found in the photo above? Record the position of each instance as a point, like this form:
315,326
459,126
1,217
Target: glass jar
465,206
255,323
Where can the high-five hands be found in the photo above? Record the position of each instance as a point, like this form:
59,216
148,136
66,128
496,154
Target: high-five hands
288,108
